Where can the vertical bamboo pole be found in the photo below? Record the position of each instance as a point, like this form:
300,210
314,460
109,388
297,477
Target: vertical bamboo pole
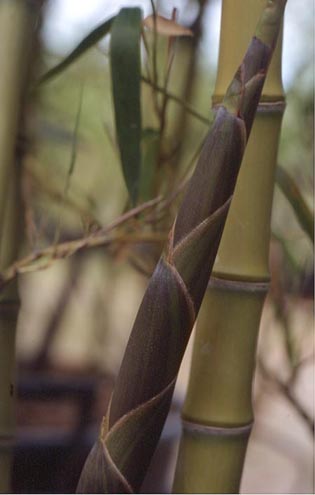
9,305
17,26
217,414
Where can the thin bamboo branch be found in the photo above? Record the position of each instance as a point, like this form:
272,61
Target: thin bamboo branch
77,200
177,99
43,258
286,390
290,189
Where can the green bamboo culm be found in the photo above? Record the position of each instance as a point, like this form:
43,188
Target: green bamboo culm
17,26
144,387
217,414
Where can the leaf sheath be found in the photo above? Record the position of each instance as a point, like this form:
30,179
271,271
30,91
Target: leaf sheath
144,387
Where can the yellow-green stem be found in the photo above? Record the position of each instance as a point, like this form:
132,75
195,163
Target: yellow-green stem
218,412
17,26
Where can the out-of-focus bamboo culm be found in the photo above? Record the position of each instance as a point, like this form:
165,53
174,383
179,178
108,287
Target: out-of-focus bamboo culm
217,414
144,387
18,21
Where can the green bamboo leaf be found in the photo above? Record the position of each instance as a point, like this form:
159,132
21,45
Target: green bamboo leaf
126,74
90,40
293,194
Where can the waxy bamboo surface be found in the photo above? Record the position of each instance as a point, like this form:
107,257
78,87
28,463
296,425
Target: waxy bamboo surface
217,414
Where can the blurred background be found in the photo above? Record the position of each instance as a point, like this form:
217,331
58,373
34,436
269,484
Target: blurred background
77,313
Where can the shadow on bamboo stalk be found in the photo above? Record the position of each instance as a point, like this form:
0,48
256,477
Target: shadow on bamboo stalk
143,391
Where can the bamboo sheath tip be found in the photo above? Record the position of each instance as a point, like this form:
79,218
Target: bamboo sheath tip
270,22
246,86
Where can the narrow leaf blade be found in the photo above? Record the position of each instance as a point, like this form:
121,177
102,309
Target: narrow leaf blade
90,40
126,76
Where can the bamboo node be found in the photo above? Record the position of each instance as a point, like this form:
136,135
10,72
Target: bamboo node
238,285
226,431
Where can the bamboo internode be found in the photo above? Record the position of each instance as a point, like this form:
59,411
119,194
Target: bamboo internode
17,26
223,362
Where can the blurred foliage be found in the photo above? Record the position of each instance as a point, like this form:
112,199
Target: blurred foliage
296,157
171,139
96,185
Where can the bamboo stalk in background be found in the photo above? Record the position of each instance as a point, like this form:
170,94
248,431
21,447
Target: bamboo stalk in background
144,387
17,26
187,53
217,414
42,358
